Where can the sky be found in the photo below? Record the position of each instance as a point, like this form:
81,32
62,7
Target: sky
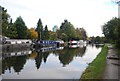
89,14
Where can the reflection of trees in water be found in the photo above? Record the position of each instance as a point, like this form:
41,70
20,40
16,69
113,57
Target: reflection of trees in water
67,54
57,52
33,55
17,62
45,55
80,51
38,60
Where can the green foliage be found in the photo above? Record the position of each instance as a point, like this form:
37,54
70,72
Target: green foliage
68,32
5,20
53,36
38,60
68,29
16,30
99,39
39,29
68,54
96,69
11,31
63,36
17,63
46,33
117,49
109,29
21,28
81,34
118,33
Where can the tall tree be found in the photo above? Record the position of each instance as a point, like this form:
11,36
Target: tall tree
81,34
11,31
21,28
68,29
46,33
5,20
39,29
84,33
109,29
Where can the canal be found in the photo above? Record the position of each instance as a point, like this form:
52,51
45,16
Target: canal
48,63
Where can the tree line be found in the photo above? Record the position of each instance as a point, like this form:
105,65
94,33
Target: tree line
68,32
111,30
18,30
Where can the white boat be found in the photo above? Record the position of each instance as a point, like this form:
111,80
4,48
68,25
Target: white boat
75,44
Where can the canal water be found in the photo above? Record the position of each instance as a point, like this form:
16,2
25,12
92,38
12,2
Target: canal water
48,63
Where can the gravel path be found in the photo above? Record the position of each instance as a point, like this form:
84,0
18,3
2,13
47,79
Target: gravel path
112,69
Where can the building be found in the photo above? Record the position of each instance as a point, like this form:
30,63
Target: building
55,28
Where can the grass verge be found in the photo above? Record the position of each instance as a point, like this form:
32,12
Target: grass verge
96,69
117,49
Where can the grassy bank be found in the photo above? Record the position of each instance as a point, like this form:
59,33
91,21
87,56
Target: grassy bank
117,49
118,52
95,69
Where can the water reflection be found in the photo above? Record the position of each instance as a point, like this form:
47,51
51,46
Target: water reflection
67,54
17,60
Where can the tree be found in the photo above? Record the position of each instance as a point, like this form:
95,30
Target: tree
81,34
33,34
5,20
84,33
53,35
39,29
109,29
46,33
64,37
78,34
68,29
97,39
21,28
11,31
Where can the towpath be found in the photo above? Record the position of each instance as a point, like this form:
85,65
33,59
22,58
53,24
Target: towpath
112,69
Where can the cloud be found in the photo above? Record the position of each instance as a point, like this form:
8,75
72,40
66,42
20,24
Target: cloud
90,14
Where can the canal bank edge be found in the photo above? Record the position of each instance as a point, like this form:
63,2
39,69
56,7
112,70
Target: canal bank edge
95,70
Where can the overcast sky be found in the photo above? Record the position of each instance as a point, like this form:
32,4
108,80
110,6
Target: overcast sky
89,14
